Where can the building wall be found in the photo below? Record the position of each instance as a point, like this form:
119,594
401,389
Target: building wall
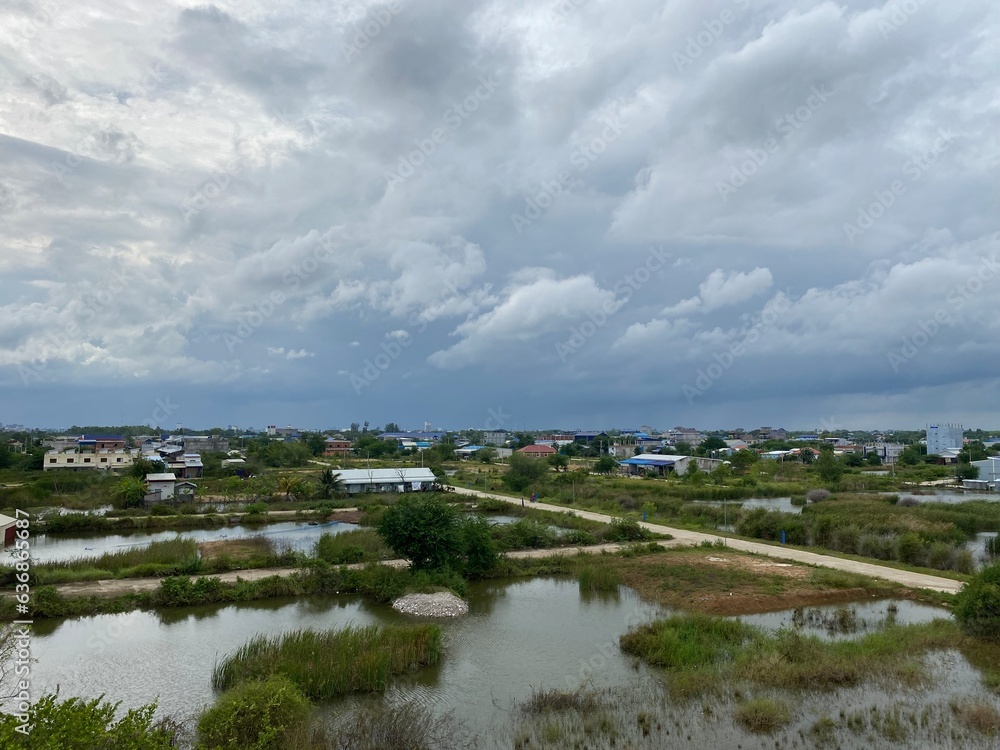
87,460
941,437
989,470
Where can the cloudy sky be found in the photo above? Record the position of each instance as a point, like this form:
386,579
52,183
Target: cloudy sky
512,213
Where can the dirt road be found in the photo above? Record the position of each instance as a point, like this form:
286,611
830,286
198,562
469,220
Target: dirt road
682,537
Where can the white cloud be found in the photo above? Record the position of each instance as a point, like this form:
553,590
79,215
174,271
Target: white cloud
721,289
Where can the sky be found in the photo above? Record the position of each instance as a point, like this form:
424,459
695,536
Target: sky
505,214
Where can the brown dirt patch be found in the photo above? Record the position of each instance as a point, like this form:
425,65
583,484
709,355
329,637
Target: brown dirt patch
346,516
235,549
726,582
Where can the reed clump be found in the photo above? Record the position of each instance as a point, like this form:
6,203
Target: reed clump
326,664
601,578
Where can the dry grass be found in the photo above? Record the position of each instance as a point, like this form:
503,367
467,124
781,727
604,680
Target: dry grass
982,717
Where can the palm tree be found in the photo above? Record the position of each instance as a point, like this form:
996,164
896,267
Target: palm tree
330,484
290,486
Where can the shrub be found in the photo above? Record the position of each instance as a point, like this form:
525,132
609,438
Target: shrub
255,716
977,605
358,545
624,529
87,724
817,495
161,509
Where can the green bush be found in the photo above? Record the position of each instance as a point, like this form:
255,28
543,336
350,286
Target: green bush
161,509
76,723
255,716
977,606
624,529
425,530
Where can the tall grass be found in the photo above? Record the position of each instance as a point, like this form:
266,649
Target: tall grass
325,664
599,578
358,545
159,558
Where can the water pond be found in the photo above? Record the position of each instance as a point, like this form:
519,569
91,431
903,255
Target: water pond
56,547
519,637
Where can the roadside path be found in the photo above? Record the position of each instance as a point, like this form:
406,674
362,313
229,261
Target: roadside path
683,537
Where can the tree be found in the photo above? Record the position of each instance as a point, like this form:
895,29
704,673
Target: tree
523,439
6,457
478,547
292,486
605,465
744,459
143,466
425,530
713,444
807,455
683,448
830,470
128,492
392,427
966,471
873,459
523,472
486,454
329,485
977,605
558,461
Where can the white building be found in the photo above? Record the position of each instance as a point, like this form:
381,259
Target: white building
74,460
385,480
989,470
888,452
941,437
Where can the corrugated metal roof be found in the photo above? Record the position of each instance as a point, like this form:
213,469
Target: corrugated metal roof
385,476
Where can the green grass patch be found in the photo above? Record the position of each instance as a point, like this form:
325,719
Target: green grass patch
701,653
326,664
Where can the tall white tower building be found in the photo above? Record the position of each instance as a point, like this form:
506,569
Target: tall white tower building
942,437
